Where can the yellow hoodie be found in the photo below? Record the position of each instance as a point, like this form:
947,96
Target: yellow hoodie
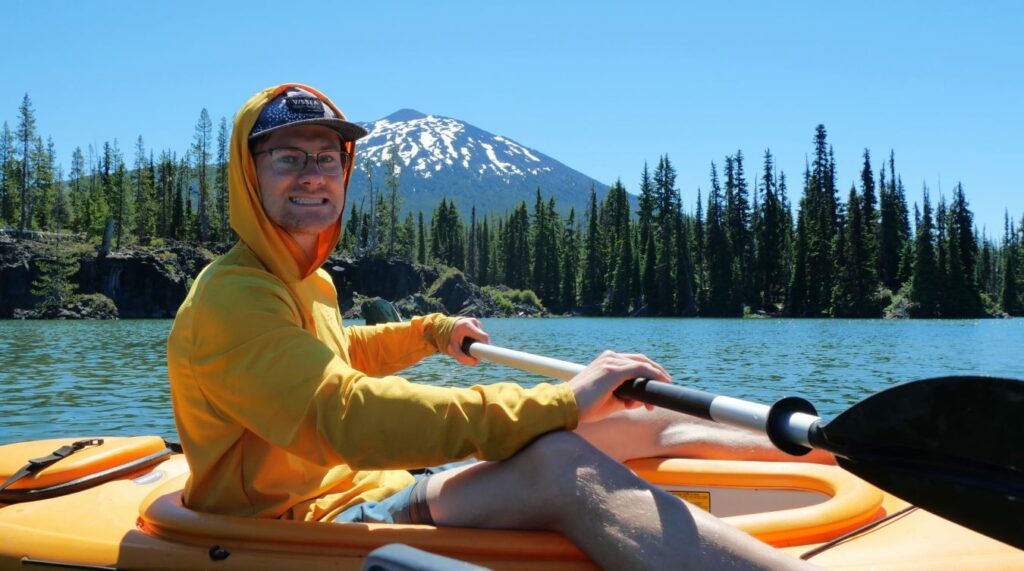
283,413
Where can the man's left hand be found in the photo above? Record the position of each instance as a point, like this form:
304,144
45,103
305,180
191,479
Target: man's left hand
466,327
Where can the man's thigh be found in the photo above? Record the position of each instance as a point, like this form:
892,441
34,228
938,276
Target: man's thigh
407,506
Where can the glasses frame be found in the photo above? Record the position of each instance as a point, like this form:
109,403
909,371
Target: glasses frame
344,160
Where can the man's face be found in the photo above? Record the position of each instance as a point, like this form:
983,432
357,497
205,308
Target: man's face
307,202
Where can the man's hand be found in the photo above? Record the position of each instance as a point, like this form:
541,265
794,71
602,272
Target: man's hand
593,386
466,327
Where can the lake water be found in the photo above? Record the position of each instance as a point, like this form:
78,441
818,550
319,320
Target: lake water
78,378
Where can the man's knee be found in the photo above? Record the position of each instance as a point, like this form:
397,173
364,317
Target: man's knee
562,463
560,451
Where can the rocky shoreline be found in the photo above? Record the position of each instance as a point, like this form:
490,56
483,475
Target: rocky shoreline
152,282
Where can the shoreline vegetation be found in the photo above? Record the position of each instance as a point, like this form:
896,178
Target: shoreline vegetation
130,238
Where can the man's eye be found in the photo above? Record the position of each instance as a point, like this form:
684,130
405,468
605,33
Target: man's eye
327,159
286,159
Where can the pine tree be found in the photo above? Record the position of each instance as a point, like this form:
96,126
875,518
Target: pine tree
737,218
963,297
646,206
97,210
371,244
516,244
925,277
145,207
122,206
698,245
78,197
855,272
553,279
392,179
26,135
666,201
166,185
618,302
593,287
365,223
869,212
539,246
349,241
61,206
771,241
619,250
42,193
894,229
615,225
1009,294
486,276
686,304
817,227
406,240
421,240
987,270
182,202
221,182
54,286
8,168
941,254
570,262
201,153
472,258
716,300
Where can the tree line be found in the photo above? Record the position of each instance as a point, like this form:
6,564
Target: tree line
742,250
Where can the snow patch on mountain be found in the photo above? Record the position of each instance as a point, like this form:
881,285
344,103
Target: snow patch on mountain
424,143
440,156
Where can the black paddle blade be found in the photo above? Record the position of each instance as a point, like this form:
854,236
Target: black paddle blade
952,445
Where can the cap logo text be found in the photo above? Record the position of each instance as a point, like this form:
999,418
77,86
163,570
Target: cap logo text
305,105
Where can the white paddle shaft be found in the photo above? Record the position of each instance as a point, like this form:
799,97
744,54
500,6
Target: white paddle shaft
725,410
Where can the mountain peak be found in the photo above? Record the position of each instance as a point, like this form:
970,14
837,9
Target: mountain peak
446,157
404,115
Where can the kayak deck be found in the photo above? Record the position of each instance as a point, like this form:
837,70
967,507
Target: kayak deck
140,523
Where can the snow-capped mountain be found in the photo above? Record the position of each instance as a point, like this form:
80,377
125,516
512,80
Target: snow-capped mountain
444,157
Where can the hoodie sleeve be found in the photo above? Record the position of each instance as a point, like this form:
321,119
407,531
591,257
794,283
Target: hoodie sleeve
256,366
389,347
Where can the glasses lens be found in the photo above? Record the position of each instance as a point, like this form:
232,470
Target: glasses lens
331,162
288,161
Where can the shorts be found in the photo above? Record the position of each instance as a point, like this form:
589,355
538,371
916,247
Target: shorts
407,506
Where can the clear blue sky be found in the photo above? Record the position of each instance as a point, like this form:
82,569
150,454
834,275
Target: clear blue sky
600,86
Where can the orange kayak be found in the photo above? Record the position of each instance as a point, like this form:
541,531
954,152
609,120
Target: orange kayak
117,505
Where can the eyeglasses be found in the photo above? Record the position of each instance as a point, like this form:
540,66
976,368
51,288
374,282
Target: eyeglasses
289,160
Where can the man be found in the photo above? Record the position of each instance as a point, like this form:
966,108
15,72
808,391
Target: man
285,414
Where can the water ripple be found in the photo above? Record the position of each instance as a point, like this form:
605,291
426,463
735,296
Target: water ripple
110,378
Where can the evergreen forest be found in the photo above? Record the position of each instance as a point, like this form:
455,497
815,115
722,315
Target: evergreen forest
745,249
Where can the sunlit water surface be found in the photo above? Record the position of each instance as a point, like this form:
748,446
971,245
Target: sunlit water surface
110,378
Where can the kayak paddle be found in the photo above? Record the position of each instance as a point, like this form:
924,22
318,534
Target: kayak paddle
951,445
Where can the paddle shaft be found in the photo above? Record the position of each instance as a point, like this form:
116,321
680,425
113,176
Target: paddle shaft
927,442
798,429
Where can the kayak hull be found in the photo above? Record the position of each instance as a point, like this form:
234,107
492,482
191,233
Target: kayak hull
138,522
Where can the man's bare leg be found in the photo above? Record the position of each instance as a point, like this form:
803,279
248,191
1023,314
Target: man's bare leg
640,433
562,483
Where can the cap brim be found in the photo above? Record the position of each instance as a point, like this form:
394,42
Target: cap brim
347,130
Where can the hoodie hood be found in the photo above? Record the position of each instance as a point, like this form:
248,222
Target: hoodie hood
275,248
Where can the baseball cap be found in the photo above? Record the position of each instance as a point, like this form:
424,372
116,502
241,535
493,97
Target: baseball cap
299,107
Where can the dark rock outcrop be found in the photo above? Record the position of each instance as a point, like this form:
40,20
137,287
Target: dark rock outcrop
376,276
141,282
152,282
92,306
418,304
458,295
